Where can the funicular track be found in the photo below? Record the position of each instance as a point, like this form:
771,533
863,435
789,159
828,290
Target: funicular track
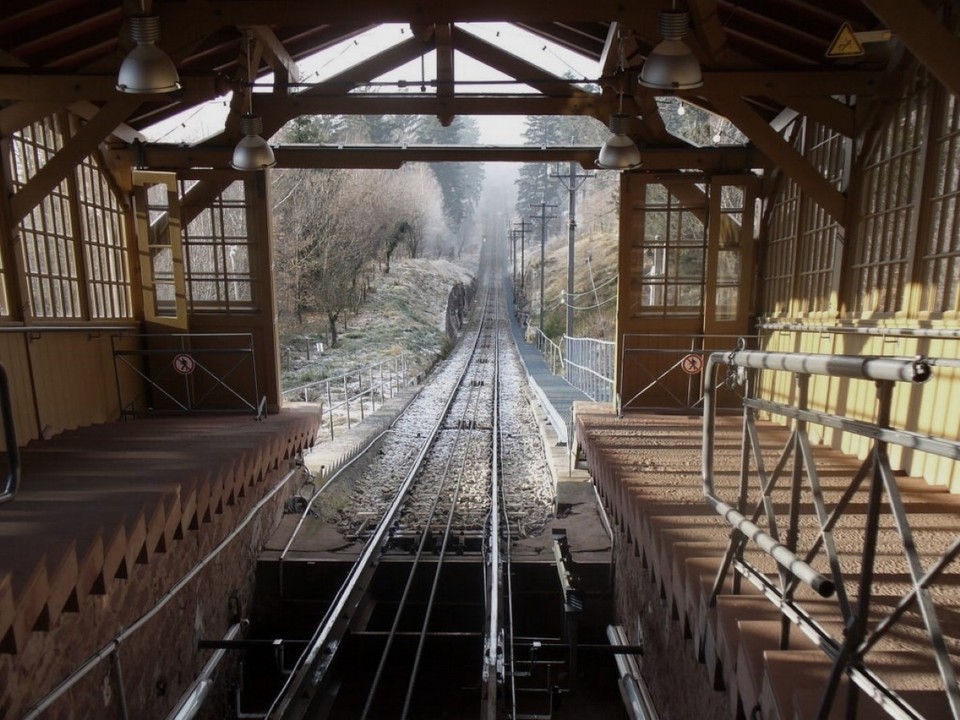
422,615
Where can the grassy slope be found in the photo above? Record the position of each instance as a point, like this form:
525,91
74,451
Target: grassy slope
404,312
602,248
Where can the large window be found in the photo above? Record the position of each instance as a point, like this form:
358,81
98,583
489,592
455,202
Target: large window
218,254
781,250
940,264
821,234
47,233
104,245
72,242
888,202
668,259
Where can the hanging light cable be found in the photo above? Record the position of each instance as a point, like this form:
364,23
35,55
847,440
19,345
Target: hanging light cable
252,152
619,152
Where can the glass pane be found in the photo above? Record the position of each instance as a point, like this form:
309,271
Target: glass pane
727,302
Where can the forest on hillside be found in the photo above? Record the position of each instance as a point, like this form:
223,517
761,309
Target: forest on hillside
337,229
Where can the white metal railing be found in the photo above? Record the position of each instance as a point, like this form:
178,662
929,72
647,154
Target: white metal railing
552,353
585,363
588,366
348,398
790,513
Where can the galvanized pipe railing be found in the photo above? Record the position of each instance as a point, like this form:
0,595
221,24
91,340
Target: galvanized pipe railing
853,367
861,632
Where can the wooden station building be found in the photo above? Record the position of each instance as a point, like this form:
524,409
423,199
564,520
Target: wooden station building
126,266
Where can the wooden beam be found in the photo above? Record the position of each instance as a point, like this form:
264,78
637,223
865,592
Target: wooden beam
427,104
170,157
709,30
32,86
610,57
284,67
513,66
73,152
280,13
783,155
445,75
788,84
832,113
371,68
927,37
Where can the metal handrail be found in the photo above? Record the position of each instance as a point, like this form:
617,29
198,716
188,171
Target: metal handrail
848,652
683,346
397,374
551,352
12,482
594,377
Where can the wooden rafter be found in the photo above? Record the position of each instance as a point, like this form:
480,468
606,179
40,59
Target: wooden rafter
445,74
709,31
927,38
832,113
783,155
284,67
515,67
73,152
159,156
294,12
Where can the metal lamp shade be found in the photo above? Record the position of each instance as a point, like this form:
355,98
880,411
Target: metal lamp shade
252,152
671,65
147,69
619,153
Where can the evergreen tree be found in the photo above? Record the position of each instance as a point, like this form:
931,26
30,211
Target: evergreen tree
460,183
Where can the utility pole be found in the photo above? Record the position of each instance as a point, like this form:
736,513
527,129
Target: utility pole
543,240
522,226
513,240
572,182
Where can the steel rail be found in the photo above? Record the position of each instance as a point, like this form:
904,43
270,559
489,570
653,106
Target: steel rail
392,634
297,693
509,640
446,534
492,655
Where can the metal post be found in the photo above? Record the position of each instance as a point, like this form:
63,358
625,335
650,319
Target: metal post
118,679
330,408
572,182
571,237
346,399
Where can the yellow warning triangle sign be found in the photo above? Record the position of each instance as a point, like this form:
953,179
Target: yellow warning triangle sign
845,44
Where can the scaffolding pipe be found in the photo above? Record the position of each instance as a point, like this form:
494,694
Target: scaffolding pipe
849,366
915,370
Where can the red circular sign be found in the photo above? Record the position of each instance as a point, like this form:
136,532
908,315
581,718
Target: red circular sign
184,364
692,364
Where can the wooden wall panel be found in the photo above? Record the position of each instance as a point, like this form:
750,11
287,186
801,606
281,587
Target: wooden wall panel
75,380
929,409
13,355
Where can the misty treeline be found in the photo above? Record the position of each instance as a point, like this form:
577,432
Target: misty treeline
337,229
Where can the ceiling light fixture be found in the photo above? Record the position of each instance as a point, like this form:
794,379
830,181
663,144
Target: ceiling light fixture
146,69
671,65
252,152
619,152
